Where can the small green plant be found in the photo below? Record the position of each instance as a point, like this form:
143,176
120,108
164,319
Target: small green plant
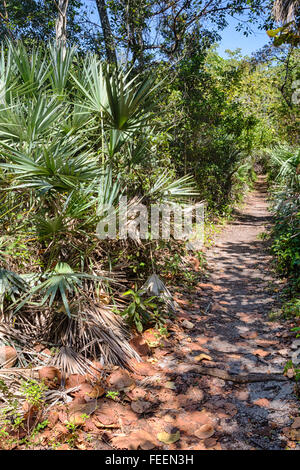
202,259
112,395
34,392
173,265
296,370
10,418
143,311
31,438
297,330
190,278
39,427
292,308
73,430
71,427
163,331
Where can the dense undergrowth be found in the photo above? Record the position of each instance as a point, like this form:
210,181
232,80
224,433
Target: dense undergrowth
283,165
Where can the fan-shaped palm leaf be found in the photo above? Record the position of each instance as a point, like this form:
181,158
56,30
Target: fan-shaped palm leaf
61,166
165,188
10,285
32,67
125,103
28,124
63,282
61,59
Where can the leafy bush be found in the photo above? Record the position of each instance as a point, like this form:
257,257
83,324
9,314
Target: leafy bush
283,164
286,235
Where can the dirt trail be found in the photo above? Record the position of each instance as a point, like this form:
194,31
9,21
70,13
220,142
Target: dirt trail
227,319
231,322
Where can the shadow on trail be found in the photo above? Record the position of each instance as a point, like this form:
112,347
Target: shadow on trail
233,327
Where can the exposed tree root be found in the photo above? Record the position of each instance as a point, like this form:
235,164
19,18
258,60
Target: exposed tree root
239,378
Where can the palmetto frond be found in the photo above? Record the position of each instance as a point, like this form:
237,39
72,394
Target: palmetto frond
78,119
61,61
28,124
49,227
93,332
115,141
32,67
287,162
129,101
108,193
125,103
60,166
155,286
91,83
166,189
11,285
7,81
62,283
139,152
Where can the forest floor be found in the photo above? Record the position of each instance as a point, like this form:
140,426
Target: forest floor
216,381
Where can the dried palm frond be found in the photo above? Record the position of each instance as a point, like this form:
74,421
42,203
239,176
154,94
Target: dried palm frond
94,332
54,397
84,331
10,334
62,283
130,225
166,189
70,362
155,286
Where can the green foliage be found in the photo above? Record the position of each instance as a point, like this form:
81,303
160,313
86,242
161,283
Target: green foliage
286,34
286,235
143,311
283,164
33,392
112,395
292,309
60,283
11,286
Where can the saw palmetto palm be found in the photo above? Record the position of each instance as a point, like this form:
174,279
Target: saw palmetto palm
60,166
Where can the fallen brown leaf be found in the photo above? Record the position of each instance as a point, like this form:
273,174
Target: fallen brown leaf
261,353
202,357
140,406
134,440
168,438
77,413
187,324
263,402
205,431
296,423
120,380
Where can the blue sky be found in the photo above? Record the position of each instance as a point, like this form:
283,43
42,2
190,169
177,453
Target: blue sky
231,39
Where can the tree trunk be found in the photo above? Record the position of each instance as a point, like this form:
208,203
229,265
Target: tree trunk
5,19
61,23
107,33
